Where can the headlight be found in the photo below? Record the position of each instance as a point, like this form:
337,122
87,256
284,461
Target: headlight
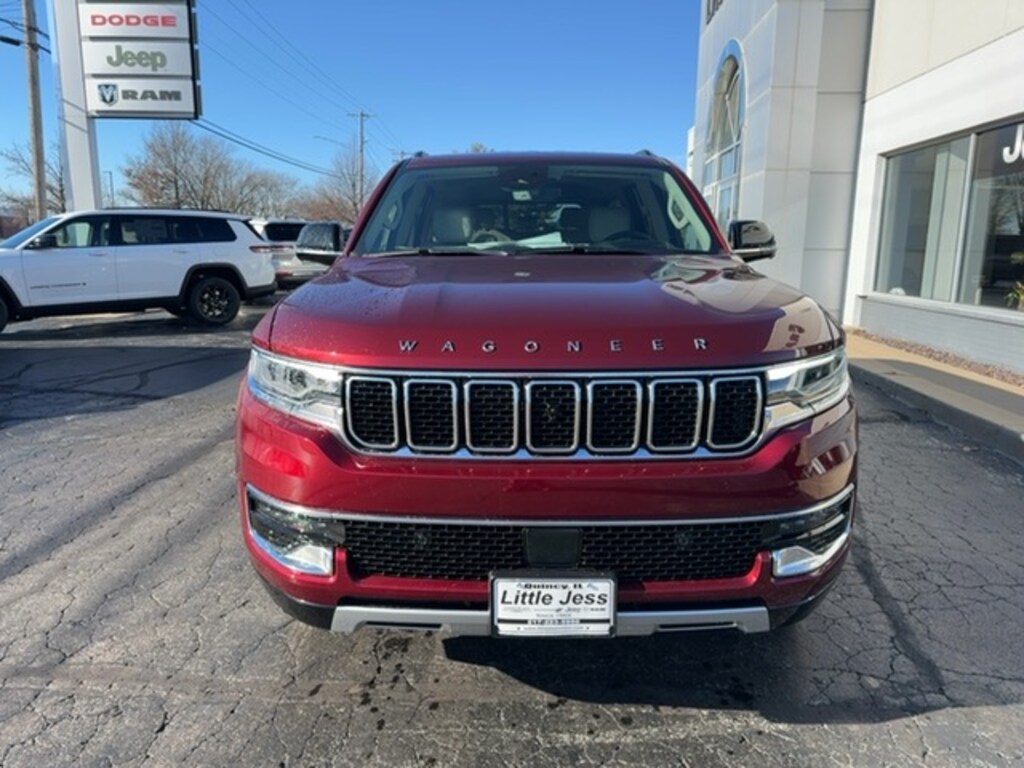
307,390
797,391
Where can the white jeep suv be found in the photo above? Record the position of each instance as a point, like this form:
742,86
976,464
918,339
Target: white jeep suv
196,263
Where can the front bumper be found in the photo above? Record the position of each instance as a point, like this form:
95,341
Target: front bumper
300,464
345,619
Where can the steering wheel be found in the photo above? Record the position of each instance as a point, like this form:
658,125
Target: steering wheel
488,236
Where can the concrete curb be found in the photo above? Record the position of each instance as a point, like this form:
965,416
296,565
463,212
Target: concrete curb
989,416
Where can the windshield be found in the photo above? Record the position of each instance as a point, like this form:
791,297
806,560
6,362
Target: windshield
23,236
536,207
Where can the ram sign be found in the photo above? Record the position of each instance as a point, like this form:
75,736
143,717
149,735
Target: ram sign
139,59
155,97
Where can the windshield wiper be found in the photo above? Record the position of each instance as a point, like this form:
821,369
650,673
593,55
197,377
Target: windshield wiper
449,250
594,248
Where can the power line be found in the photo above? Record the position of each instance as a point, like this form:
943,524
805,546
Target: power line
299,69
296,54
284,97
234,138
275,64
308,64
21,27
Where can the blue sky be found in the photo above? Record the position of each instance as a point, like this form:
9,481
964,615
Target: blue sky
436,76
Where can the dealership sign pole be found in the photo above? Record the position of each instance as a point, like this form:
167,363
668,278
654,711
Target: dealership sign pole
119,59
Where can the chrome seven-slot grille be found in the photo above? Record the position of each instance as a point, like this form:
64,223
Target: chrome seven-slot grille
600,415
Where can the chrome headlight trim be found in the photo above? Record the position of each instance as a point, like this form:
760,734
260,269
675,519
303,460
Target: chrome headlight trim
799,390
310,391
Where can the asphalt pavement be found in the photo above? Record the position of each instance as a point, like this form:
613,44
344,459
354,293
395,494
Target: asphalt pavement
987,409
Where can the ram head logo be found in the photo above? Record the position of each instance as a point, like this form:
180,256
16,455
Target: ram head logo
108,93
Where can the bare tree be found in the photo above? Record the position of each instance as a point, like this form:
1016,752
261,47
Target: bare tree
179,169
336,196
19,163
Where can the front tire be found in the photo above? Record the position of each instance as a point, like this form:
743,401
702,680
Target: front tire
213,300
4,314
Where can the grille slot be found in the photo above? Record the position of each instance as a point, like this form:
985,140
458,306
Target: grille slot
371,411
465,551
492,416
599,415
430,415
614,416
735,412
676,406
553,417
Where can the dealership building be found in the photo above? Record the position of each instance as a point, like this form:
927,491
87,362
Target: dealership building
883,142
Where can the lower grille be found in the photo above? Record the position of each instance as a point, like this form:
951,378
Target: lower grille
673,552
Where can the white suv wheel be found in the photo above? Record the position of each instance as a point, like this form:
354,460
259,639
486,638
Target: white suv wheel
213,301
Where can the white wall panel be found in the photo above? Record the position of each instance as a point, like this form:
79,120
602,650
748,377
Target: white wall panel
828,210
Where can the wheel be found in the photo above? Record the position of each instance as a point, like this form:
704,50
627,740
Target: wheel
213,301
4,314
489,236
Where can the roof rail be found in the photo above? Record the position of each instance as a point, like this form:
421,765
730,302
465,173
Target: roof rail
162,208
646,152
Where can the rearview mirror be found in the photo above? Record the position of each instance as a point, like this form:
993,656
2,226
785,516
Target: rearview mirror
751,240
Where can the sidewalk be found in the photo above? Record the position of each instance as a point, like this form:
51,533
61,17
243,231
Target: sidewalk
990,411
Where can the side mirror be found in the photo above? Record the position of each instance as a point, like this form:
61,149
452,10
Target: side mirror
319,257
43,241
751,240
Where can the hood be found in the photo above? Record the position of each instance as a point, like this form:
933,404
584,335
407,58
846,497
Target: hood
546,312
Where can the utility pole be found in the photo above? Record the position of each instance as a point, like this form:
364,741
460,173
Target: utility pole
361,116
35,111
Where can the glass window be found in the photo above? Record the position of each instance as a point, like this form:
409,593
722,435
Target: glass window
725,129
921,211
145,230
82,233
283,231
26,234
994,252
536,206
212,230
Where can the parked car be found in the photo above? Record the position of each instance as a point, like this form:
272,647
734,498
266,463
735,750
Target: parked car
320,243
544,395
282,234
196,263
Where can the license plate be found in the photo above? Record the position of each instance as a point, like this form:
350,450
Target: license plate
544,606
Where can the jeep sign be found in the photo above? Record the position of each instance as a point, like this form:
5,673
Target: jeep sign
134,20
137,57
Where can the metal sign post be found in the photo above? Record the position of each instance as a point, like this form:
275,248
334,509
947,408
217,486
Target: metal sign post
78,131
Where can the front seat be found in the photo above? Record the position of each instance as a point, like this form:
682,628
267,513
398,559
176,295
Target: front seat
604,222
452,226
573,224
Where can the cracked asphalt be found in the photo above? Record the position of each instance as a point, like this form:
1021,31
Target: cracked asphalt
134,632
